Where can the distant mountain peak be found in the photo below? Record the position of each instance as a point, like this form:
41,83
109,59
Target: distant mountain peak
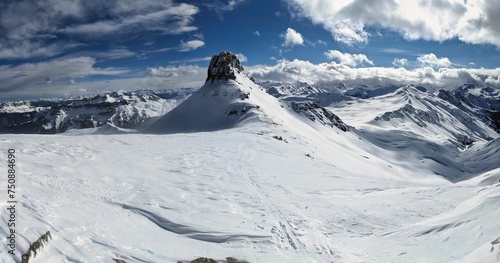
223,67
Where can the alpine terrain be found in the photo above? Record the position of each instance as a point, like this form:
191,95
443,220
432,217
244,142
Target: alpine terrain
262,172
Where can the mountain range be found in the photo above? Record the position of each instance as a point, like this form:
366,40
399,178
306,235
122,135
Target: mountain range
465,114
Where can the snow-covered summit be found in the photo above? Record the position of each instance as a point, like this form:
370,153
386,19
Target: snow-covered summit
229,98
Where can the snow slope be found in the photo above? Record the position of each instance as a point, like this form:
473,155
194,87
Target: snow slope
241,192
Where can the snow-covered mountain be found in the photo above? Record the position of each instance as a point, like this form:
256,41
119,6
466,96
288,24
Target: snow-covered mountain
464,115
417,111
264,173
131,110
229,98
481,102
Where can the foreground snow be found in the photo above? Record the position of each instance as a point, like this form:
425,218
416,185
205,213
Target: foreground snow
314,196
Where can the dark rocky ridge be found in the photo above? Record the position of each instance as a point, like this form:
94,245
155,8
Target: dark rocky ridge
223,67
484,105
314,112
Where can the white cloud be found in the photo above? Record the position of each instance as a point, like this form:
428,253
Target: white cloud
256,33
220,7
313,44
333,73
190,45
115,53
29,75
433,61
55,78
292,38
182,76
190,60
351,60
30,28
426,60
173,71
152,21
321,42
470,21
199,36
394,51
242,57
349,33
160,50
31,49
400,62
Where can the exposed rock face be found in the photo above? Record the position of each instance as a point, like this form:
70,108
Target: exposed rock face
315,112
483,103
223,67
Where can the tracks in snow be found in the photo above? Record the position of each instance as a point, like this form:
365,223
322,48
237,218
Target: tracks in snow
286,234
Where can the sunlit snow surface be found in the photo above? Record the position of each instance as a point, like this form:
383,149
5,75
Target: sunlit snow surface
321,196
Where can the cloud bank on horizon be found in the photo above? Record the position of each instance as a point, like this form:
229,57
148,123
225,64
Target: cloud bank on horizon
65,47
470,21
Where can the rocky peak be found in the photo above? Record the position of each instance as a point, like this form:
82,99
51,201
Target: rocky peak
223,67
463,91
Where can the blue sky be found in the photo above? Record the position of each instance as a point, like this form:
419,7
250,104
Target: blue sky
74,47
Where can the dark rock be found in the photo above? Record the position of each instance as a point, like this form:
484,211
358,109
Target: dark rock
204,260
223,67
234,260
315,112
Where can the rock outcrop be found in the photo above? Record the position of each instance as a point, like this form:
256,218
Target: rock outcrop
223,67
314,112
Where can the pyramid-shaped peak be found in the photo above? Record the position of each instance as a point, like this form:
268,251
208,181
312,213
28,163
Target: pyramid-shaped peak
223,67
